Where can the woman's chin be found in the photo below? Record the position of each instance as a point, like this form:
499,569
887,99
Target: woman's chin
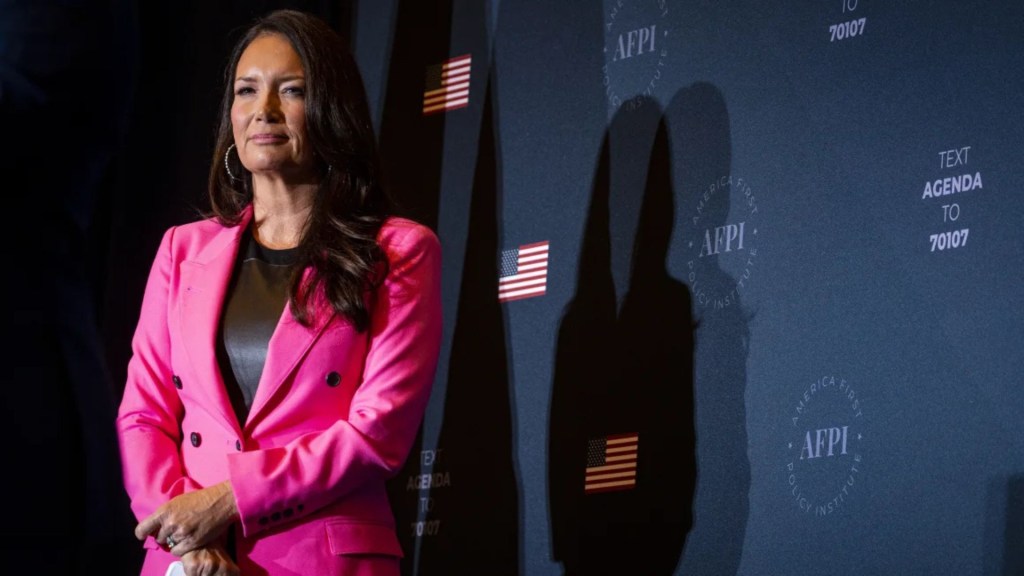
281,171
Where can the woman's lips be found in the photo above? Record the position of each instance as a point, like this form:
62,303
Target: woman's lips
269,138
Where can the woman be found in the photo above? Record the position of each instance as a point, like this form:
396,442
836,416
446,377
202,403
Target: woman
286,346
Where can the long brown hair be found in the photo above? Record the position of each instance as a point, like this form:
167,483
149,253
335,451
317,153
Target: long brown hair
339,243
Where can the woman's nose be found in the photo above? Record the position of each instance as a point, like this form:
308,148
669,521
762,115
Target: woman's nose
269,108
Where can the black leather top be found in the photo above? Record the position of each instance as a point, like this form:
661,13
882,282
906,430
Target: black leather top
253,306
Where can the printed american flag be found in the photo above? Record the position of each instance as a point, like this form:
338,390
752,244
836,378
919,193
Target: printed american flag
524,272
447,86
611,463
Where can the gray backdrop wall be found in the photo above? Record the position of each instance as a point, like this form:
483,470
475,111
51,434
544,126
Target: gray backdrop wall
778,327
784,252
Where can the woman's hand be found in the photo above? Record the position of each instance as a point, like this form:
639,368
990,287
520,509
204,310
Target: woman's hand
191,520
209,561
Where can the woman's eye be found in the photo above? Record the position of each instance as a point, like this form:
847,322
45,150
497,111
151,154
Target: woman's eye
244,90
294,90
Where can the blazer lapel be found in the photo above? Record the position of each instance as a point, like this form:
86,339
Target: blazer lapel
287,346
205,279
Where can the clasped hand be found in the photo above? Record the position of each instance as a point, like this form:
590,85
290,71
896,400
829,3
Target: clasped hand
209,561
191,520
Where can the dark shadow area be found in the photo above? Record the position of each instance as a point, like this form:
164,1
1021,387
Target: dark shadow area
655,332
1013,540
995,524
625,370
701,156
411,144
584,344
68,74
477,515
1004,526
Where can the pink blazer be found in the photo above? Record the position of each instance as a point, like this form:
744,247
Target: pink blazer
335,413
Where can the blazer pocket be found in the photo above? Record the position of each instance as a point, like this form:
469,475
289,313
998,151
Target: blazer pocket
347,538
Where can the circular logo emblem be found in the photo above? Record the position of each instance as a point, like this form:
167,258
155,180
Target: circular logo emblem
823,447
635,50
721,243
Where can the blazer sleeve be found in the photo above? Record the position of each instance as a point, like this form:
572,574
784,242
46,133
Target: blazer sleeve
386,410
150,412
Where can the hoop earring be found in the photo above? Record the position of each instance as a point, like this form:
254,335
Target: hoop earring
226,165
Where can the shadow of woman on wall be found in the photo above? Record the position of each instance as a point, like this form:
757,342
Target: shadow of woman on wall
623,375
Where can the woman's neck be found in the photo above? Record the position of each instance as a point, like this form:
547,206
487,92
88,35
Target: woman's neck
280,214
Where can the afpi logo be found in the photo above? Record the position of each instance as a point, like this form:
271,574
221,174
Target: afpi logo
721,242
830,440
635,50
722,239
824,459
